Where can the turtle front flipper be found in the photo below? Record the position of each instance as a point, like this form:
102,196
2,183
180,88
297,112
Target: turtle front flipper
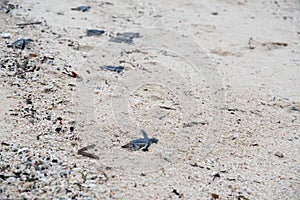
144,134
149,142
153,141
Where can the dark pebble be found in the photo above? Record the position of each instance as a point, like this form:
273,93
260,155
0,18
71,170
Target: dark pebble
28,101
58,129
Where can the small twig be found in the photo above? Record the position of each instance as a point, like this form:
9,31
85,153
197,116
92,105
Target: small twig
4,144
30,23
196,165
279,44
167,108
193,124
39,136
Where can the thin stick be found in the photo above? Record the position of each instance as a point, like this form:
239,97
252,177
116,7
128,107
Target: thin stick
30,23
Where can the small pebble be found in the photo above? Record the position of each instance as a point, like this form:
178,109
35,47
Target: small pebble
27,185
248,190
11,179
58,129
23,150
279,155
5,35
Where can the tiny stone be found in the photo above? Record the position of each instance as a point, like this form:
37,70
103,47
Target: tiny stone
11,179
27,185
248,190
5,35
215,196
58,129
48,117
278,154
28,101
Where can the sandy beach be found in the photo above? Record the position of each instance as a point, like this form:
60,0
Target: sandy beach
214,83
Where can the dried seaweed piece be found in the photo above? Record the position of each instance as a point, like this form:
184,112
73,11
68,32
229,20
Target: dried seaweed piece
92,32
82,8
83,152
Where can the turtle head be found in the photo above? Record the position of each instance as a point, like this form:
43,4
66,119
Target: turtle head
153,140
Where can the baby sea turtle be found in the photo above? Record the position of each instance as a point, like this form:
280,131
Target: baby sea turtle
91,32
119,39
143,143
130,35
21,43
117,69
82,8
126,37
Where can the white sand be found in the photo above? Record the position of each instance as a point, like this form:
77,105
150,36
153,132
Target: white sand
226,113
